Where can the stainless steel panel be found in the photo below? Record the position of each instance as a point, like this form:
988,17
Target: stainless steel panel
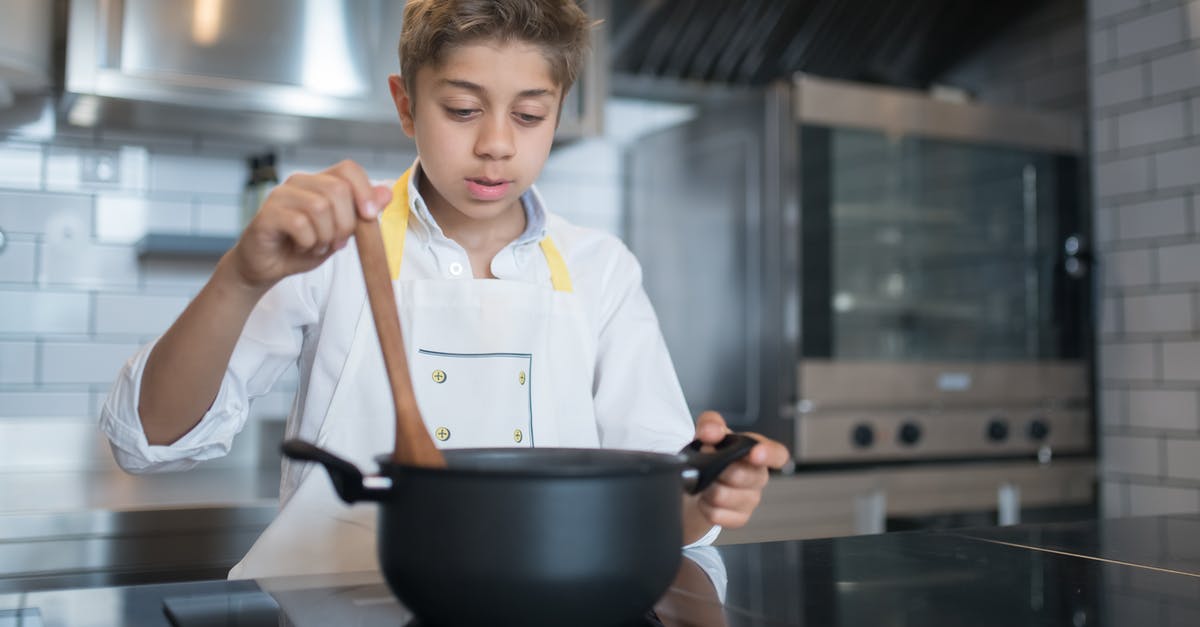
898,112
705,279
147,51
281,70
25,47
843,383
703,220
323,46
829,436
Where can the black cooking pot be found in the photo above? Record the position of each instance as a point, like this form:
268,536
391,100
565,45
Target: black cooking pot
531,536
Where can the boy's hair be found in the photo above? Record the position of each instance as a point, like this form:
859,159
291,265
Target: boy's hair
432,27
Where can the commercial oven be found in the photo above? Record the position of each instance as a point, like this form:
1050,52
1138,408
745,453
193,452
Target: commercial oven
875,276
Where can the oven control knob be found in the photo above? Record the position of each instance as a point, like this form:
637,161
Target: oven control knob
997,430
1039,429
863,436
910,433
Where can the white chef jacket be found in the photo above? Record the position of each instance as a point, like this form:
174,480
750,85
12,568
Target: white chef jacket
637,399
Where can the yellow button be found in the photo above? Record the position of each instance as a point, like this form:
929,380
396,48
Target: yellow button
521,378
439,376
442,433
518,436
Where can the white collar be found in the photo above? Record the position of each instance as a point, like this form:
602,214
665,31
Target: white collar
531,201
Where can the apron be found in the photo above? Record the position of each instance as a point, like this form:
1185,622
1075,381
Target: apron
494,363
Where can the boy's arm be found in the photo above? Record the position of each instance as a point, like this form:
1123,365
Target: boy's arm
184,370
301,224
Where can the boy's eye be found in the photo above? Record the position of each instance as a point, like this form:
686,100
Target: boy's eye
527,118
460,113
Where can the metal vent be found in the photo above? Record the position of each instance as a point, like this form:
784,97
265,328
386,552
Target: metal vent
752,42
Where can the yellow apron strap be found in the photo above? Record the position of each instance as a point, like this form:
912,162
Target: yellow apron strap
394,223
559,277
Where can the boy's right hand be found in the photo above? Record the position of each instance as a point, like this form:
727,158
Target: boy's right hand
305,220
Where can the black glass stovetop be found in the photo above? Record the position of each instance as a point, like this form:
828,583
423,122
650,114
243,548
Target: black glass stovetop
255,609
1137,571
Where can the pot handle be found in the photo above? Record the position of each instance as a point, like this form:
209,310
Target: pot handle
702,468
346,477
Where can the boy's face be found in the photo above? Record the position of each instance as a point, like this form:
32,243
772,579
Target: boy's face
483,122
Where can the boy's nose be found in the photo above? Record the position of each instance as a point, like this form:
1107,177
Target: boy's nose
495,139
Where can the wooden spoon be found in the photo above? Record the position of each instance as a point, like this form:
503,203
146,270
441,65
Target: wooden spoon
414,447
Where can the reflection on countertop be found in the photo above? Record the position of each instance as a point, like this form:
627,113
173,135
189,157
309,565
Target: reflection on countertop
64,464
1061,574
118,490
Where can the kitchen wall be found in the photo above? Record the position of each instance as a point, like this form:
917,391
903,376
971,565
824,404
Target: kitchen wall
76,300
1039,63
1144,71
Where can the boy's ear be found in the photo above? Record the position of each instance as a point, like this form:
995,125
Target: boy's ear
404,103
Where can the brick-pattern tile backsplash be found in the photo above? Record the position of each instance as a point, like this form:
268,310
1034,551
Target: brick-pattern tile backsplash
1154,31
1145,118
1164,409
32,313
15,361
1158,218
1157,124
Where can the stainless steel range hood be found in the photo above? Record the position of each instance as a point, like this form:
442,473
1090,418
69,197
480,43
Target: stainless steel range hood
25,48
285,71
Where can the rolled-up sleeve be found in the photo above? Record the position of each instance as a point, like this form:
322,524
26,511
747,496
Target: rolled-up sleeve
269,344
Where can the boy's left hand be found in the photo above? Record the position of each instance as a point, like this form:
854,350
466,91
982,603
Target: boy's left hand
735,494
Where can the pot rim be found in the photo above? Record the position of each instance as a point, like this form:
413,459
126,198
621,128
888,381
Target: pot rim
541,462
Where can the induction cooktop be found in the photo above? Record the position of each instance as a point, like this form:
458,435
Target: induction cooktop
260,609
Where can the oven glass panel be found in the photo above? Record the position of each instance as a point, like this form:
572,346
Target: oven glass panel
923,249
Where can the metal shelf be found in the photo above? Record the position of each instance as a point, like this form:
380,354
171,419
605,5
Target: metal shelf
183,246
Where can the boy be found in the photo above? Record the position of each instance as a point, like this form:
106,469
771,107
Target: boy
521,329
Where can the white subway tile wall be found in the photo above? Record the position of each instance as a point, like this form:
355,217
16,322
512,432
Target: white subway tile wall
28,313
136,314
83,362
1144,34
1145,76
21,165
1158,124
1159,218
1149,500
1124,268
1159,313
18,261
76,301
1174,73
16,361
1123,176
217,216
1164,409
1131,455
24,400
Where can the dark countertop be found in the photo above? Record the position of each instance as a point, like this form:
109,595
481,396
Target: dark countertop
1135,571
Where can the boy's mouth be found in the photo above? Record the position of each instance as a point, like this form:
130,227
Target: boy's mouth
487,189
